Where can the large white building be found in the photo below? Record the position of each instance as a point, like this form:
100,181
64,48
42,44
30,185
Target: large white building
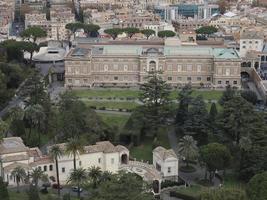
251,41
105,155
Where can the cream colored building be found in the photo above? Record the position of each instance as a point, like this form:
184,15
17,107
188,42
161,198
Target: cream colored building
128,65
166,162
14,153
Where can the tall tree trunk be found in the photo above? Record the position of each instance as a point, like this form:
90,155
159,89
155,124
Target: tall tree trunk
17,186
74,161
79,193
58,189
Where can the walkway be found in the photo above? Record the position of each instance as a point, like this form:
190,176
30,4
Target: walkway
146,171
190,178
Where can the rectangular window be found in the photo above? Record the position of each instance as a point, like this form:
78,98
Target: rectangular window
112,160
99,160
198,68
189,78
169,169
45,168
179,68
227,82
169,78
235,82
219,82
198,78
116,78
63,169
50,167
208,79
179,78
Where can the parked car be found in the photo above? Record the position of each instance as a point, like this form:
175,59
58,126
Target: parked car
56,186
75,189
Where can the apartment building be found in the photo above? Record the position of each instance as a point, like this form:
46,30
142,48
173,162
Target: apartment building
128,65
55,27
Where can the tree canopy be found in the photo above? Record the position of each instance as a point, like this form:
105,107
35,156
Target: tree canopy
131,31
206,30
148,32
257,187
113,32
34,33
165,34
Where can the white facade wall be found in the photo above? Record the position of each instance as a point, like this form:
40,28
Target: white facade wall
250,45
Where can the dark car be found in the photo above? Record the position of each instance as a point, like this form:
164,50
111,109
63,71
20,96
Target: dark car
75,189
56,186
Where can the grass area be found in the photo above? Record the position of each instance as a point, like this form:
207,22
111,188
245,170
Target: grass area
123,93
114,120
24,196
105,93
112,104
194,190
144,150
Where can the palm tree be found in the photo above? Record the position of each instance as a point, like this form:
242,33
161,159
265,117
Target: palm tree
36,175
188,149
78,177
73,148
95,174
19,174
55,153
105,176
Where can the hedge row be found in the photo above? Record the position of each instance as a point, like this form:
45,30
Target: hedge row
182,196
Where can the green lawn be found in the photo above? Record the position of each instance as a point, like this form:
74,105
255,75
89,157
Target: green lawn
123,93
112,104
106,93
144,151
114,120
24,196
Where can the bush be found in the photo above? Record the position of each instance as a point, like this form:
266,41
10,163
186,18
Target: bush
93,107
66,196
182,196
169,183
102,108
187,169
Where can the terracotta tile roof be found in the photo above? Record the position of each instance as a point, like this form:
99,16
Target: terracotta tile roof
12,145
165,153
42,160
15,158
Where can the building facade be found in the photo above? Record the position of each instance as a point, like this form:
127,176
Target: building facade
128,65
14,153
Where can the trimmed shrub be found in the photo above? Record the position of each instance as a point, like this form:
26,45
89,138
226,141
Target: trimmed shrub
182,196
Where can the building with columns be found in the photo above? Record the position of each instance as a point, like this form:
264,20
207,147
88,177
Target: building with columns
127,65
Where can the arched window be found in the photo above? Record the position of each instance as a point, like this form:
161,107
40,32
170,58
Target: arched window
45,168
152,65
51,167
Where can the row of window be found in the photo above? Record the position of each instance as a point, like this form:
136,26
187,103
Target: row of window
226,82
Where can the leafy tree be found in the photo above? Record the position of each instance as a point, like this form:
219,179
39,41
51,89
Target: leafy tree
148,32
228,94
131,31
35,116
184,99
257,187
165,34
234,121
19,175
13,50
250,96
78,177
36,175
74,147
73,27
196,124
3,190
113,32
123,186
254,156
95,174
33,33
224,194
55,153
206,30
212,117
29,47
3,128
91,29
216,157
188,149
33,193
155,96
